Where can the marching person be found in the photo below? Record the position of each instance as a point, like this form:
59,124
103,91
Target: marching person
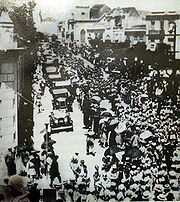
10,162
54,171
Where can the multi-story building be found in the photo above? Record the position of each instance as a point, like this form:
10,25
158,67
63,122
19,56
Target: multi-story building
163,27
125,24
83,23
11,82
99,21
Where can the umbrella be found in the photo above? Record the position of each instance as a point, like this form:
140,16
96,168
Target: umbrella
111,150
96,99
102,109
113,122
134,153
106,114
114,149
145,135
105,104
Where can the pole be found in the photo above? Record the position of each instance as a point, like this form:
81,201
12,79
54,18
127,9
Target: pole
174,40
46,124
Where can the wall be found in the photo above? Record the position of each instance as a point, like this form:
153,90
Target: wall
11,85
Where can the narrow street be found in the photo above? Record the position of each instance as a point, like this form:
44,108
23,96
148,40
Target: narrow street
67,143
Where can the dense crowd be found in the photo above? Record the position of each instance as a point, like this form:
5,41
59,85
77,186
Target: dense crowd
125,111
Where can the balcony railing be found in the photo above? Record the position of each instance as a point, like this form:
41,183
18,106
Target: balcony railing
154,31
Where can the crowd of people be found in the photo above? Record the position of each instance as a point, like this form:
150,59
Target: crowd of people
129,113
139,131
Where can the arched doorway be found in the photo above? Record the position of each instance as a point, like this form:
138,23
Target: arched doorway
82,35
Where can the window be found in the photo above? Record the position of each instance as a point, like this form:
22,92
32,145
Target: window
10,77
83,13
0,123
118,21
4,77
14,120
171,39
82,36
7,68
0,101
153,22
13,103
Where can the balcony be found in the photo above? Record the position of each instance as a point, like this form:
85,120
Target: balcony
154,31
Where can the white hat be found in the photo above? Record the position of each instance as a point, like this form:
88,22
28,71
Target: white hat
172,173
113,122
146,195
121,187
120,196
162,197
120,128
159,187
134,186
127,199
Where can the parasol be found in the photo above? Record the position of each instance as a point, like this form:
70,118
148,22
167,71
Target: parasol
120,128
134,153
106,114
113,122
145,135
111,150
96,99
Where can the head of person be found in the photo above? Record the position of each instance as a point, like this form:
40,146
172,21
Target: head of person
82,162
16,185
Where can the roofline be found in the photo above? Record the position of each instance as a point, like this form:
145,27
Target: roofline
1,22
94,20
162,17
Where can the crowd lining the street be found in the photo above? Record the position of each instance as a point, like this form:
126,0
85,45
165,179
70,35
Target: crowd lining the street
137,130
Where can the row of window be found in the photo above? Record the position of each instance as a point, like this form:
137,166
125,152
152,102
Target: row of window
7,124
82,13
153,22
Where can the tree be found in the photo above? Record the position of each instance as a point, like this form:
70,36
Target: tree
22,18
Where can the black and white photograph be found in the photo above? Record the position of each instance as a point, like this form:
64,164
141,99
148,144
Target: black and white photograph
89,100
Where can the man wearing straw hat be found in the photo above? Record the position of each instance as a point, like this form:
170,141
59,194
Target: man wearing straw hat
14,192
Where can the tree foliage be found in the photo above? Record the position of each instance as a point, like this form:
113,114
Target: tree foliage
22,18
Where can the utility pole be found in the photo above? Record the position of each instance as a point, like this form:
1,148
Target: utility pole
46,124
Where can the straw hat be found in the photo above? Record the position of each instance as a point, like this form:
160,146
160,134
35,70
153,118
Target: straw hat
120,196
121,187
17,182
162,197
158,187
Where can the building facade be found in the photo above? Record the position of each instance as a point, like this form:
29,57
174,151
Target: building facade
121,25
117,25
11,82
163,27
